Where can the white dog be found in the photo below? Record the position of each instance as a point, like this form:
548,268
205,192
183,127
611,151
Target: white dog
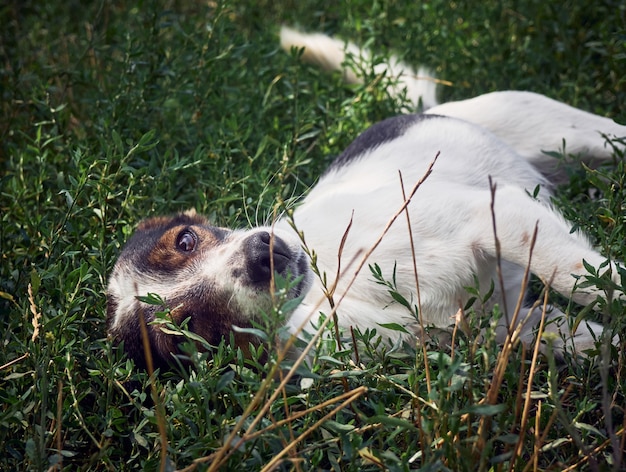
217,277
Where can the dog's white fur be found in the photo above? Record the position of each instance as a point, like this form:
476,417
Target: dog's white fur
503,135
499,136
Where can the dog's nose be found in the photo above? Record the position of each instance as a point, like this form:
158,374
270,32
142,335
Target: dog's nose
260,260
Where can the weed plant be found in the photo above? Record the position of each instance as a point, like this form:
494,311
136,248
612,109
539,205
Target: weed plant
113,111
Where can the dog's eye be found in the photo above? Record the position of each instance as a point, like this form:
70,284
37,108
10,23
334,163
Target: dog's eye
186,241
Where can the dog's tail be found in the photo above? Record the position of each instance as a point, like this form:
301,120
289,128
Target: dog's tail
332,54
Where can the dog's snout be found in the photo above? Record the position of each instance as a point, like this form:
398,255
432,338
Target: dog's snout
265,252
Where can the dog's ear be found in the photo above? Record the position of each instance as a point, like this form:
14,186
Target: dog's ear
189,217
190,213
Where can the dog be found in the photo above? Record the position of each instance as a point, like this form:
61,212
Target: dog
481,206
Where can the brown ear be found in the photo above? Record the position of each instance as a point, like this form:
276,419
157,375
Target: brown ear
189,217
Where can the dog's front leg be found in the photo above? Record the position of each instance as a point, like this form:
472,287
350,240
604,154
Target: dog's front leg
556,255
529,232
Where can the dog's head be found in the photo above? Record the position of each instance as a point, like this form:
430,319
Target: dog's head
213,277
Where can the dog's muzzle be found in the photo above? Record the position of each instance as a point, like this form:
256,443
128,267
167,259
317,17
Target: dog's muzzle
265,252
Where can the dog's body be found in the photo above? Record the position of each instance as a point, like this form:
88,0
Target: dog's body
218,277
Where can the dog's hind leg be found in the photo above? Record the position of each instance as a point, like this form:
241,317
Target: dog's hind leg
532,124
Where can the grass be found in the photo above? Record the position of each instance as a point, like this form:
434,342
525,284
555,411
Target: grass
111,112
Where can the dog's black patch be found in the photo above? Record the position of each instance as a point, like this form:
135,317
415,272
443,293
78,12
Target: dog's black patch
379,133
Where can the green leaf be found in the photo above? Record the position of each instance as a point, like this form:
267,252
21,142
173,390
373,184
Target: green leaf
400,299
140,440
225,380
338,427
253,331
554,444
332,360
35,281
484,410
393,327
590,428
391,421
8,296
